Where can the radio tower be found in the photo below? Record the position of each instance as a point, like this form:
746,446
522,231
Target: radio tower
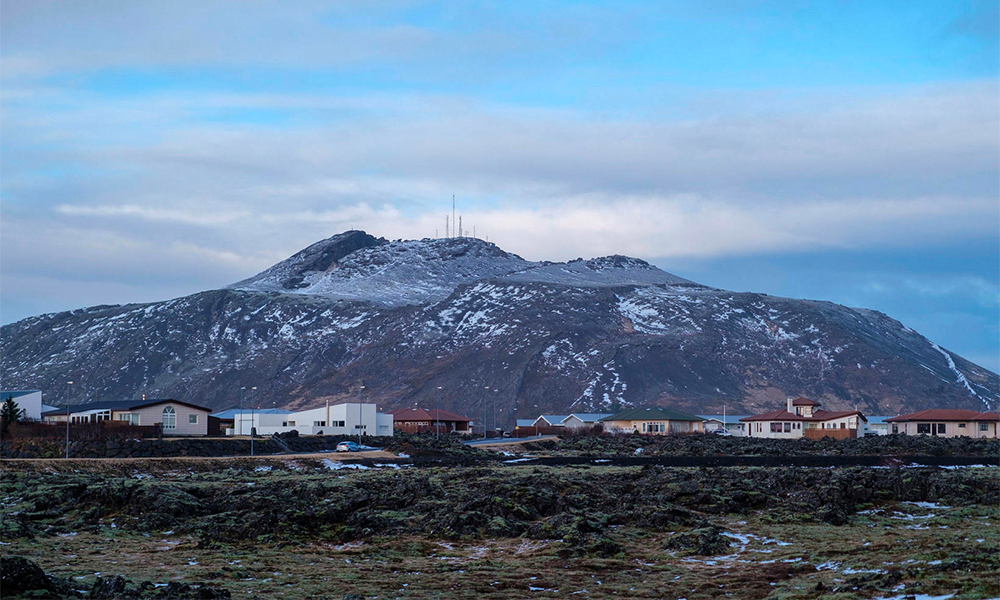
446,227
453,221
460,233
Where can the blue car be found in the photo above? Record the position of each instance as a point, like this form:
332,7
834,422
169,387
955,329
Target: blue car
348,447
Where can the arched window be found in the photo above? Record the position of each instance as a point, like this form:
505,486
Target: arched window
169,418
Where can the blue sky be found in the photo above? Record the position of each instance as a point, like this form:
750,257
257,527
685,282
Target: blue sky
845,151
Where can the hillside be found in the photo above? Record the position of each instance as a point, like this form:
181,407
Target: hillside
463,325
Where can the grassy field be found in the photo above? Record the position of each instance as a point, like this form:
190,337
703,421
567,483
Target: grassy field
303,527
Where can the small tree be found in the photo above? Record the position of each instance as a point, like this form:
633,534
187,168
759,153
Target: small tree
10,412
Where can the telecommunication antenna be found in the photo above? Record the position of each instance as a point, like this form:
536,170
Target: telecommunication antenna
446,226
460,232
453,209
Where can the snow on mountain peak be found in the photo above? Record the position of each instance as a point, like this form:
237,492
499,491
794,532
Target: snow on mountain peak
357,266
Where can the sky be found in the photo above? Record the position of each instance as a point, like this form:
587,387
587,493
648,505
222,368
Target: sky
844,151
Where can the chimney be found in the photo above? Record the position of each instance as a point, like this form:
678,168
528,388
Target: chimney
788,399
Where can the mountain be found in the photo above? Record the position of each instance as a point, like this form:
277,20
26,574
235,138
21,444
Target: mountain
462,325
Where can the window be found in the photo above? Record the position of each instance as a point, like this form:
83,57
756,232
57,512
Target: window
319,423
940,427
961,425
923,427
843,425
131,418
775,427
340,424
788,427
895,428
291,423
984,427
169,418
192,419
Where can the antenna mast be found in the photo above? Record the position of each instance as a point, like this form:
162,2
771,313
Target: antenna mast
453,210
460,232
446,226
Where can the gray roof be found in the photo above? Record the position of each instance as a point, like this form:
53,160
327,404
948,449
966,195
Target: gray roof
552,419
659,413
525,422
119,405
589,417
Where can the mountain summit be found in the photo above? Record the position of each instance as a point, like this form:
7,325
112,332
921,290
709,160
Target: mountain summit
462,325
357,266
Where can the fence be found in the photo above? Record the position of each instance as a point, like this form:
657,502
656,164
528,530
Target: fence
521,432
78,432
837,434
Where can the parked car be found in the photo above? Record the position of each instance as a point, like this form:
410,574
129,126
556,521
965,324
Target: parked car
348,447
723,432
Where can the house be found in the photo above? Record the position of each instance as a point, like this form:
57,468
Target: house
175,416
350,418
28,400
801,415
947,422
242,420
730,423
583,420
415,420
549,421
877,426
659,421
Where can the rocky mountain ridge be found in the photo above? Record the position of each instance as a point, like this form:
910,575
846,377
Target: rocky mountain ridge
463,325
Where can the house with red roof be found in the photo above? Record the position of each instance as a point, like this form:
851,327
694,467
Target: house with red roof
947,422
416,420
801,415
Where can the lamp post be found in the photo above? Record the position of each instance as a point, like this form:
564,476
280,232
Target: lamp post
361,391
484,412
240,431
252,427
437,421
67,421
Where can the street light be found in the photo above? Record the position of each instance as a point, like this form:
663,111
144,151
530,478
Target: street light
241,410
67,420
437,422
252,428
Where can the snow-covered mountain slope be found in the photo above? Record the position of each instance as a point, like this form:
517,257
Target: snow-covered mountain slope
385,273
463,325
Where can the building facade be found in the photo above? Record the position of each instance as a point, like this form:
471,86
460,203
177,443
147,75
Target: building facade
947,422
28,400
655,421
174,416
348,419
800,415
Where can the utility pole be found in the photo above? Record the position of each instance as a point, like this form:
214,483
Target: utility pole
242,390
67,422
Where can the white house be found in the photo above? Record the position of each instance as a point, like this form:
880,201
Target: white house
549,421
730,423
583,420
800,415
339,419
29,400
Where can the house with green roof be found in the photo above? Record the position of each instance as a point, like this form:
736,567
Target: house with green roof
655,420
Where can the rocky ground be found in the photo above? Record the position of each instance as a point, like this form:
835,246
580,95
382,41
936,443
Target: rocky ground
316,527
899,446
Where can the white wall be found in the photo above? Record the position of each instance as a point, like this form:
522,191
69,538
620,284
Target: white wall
31,403
356,417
